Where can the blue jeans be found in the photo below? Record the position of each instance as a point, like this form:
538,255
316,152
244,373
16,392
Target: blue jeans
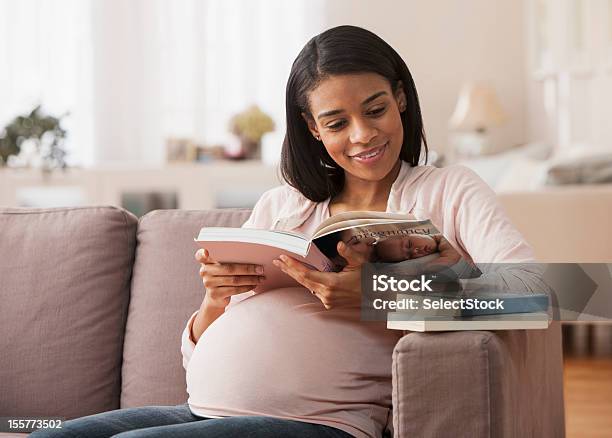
178,421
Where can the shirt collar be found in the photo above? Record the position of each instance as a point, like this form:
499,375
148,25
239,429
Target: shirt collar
295,213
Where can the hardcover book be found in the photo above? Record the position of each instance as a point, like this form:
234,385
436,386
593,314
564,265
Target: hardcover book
505,321
464,304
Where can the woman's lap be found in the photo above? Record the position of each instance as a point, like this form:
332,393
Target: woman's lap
110,423
243,427
178,421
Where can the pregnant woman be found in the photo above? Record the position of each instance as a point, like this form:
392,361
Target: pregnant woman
298,362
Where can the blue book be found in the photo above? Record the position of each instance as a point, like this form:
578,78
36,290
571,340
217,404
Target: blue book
457,304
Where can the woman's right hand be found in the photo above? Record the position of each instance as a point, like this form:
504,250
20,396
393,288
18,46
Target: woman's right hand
222,280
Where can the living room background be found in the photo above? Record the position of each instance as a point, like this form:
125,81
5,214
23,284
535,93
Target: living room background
146,91
133,73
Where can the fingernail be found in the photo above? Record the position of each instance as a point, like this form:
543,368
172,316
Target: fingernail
283,258
259,270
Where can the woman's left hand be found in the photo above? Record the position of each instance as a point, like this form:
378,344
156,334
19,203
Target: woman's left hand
334,289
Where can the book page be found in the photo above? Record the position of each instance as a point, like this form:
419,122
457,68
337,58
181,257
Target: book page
358,215
352,223
399,244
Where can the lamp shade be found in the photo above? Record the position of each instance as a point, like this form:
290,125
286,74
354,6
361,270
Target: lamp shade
477,109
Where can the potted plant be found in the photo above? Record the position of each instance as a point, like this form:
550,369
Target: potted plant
250,126
42,132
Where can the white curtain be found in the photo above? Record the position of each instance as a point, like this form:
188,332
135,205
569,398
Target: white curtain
45,58
133,73
220,56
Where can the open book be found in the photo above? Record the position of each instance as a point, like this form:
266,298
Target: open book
382,237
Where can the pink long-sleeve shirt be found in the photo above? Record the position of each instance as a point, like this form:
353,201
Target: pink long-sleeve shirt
282,354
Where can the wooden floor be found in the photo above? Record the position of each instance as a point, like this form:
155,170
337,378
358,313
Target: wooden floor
588,397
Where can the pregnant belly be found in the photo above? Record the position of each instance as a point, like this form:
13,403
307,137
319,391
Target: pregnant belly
282,353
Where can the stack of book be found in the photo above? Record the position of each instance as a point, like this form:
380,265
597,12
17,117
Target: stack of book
498,311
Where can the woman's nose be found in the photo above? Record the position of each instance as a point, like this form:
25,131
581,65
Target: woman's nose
362,132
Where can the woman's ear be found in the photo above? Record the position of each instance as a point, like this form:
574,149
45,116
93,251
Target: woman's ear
312,126
400,97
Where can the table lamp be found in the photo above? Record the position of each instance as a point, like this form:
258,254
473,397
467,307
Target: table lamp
477,110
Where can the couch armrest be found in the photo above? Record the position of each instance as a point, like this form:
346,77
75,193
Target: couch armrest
479,384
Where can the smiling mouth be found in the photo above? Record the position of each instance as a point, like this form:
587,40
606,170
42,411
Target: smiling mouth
370,153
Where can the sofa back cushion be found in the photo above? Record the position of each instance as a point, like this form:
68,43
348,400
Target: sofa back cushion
166,290
64,292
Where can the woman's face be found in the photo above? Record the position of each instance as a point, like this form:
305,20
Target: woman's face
357,117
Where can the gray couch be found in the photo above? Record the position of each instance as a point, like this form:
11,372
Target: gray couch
93,302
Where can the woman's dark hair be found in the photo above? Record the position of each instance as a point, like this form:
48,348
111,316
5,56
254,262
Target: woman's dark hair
305,164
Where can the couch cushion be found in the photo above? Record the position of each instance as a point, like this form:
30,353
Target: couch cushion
65,276
166,290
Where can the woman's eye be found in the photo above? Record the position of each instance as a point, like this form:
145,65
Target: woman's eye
336,125
376,111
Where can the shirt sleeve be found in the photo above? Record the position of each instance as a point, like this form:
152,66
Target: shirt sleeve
187,343
266,209
482,226
486,233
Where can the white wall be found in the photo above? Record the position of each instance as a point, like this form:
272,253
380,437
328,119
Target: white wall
126,80
569,74
447,42
146,62
167,68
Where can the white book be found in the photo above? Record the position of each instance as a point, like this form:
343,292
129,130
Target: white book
507,321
